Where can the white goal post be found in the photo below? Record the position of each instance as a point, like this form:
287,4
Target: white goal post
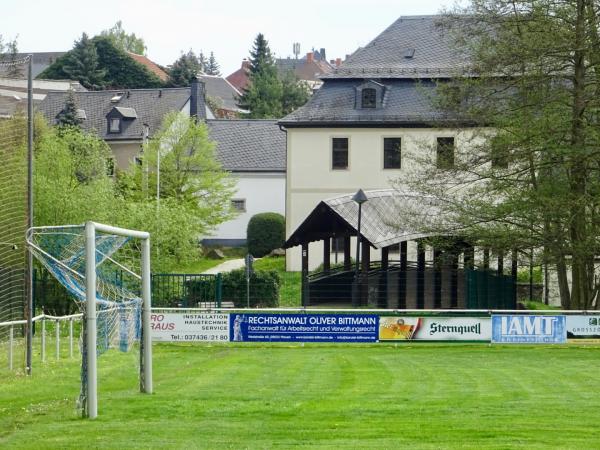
90,313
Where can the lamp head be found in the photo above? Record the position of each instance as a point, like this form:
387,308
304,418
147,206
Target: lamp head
360,197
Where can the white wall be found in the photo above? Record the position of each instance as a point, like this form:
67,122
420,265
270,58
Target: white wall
263,192
310,178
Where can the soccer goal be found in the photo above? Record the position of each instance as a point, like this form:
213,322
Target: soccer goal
107,270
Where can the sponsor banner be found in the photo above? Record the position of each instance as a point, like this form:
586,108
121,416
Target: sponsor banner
529,329
303,327
400,328
182,327
583,327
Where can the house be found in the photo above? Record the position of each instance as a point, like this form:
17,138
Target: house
125,118
359,130
13,92
254,152
221,96
150,65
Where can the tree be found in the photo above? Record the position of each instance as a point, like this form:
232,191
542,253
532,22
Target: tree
125,41
184,69
212,67
121,71
269,94
83,65
68,116
194,191
9,52
262,97
530,176
202,61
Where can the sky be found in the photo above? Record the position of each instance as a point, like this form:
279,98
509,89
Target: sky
226,27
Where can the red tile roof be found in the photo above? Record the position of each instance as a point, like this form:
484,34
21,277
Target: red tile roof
150,65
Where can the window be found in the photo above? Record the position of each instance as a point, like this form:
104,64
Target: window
115,125
392,153
238,204
369,98
339,153
445,152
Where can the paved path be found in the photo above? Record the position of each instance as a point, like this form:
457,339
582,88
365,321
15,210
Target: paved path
227,266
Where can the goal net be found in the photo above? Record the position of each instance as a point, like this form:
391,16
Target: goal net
107,271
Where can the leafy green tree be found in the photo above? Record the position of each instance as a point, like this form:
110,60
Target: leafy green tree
212,66
83,64
125,41
262,97
295,93
9,52
184,69
120,70
528,177
68,116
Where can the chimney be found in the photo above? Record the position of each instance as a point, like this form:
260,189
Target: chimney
245,64
197,99
338,62
323,58
310,57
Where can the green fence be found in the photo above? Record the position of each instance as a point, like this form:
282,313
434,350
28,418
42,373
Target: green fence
186,290
488,290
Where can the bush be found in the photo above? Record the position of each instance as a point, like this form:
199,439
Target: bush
264,288
266,232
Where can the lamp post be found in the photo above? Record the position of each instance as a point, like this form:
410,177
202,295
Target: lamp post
360,198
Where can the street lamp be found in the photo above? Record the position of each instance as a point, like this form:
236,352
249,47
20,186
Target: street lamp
360,197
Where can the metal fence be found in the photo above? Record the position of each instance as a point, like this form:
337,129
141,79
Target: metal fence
186,290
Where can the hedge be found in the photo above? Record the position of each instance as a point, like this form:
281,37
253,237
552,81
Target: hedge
264,288
265,232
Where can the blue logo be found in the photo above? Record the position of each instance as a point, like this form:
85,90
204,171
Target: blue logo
529,329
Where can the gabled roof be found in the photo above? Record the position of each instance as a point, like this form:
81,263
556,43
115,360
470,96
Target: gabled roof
383,219
239,79
127,113
221,89
150,106
249,145
305,70
411,47
150,65
406,103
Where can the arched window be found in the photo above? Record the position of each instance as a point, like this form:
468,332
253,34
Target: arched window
369,98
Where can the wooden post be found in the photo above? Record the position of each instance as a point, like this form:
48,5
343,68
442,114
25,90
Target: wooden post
420,274
347,259
437,278
486,258
364,272
326,254
469,257
305,299
513,272
454,280
402,280
382,297
500,262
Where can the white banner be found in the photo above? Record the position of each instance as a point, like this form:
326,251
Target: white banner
392,328
184,327
583,327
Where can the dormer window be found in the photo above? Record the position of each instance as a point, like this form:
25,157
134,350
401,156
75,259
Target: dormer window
370,95
369,98
115,125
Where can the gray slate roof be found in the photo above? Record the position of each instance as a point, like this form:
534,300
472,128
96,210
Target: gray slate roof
384,56
220,88
249,145
405,103
151,105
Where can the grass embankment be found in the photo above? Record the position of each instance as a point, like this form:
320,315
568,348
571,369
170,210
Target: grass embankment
203,263
379,396
291,282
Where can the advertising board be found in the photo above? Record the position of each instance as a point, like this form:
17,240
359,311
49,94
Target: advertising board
183,327
401,328
529,329
583,327
303,327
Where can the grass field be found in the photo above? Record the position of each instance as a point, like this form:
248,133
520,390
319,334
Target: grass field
378,396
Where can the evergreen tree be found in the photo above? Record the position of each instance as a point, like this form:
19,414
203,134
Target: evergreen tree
262,97
123,40
184,69
295,93
82,64
68,116
212,68
203,61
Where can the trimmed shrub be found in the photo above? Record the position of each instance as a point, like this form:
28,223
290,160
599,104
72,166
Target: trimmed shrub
266,232
264,288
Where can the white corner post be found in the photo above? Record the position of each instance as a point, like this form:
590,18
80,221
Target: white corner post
146,375
90,319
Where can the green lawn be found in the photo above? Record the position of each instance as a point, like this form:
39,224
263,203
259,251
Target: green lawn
364,396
